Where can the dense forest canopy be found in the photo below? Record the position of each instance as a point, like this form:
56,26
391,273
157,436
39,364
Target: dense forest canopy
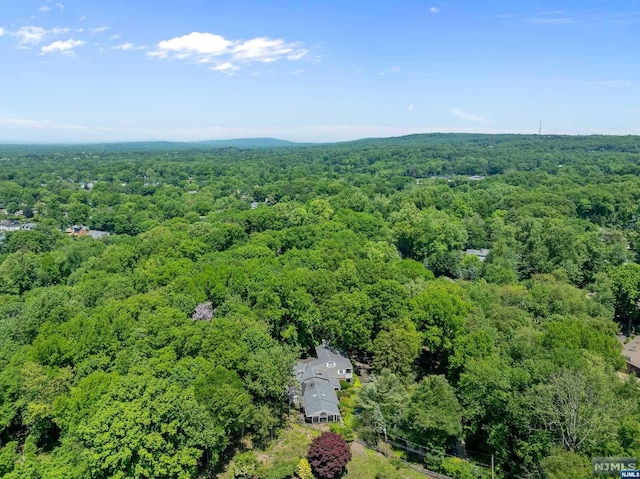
158,350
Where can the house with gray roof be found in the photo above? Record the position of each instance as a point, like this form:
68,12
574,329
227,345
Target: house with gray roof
480,253
319,379
9,225
631,353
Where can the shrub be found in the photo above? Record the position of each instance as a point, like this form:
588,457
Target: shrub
304,469
281,470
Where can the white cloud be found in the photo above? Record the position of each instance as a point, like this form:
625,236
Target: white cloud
61,7
199,47
99,29
467,116
124,46
2,31
393,69
434,10
267,50
129,46
65,47
298,55
411,107
115,37
32,35
553,21
44,8
227,67
193,44
298,72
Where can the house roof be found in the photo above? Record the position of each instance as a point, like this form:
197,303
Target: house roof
631,352
478,252
328,354
97,234
317,367
319,396
10,223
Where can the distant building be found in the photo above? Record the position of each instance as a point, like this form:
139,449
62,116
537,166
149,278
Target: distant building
29,226
254,205
96,234
480,253
319,379
477,178
9,225
79,231
631,353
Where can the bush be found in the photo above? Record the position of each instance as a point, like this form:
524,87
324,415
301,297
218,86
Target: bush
304,469
345,431
245,465
460,469
281,470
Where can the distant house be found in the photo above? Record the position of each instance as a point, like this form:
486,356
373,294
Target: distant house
254,205
9,225
97,234
79,231
631,353
319,380
29,226
480,253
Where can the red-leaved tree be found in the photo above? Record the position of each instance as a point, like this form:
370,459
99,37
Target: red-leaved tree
328,455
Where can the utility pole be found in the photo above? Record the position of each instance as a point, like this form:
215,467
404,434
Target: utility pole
493,472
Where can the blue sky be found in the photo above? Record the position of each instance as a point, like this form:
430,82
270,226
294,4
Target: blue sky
314,70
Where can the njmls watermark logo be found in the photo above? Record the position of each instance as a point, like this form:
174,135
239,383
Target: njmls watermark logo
614,466
624,474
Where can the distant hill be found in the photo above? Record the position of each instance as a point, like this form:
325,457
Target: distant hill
242,143
420,140
251,143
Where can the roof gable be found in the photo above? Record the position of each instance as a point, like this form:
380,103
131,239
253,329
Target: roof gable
318,397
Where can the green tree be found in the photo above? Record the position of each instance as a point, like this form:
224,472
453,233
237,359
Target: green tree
397,348
562,464
432,416
439,312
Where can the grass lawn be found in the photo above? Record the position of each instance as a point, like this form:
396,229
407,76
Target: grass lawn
292,444
366,464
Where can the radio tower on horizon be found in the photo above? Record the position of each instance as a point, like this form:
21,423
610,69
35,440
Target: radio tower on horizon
540,129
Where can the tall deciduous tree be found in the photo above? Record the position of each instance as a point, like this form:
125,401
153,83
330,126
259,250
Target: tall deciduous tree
439,312
578,408
433,416
397,348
